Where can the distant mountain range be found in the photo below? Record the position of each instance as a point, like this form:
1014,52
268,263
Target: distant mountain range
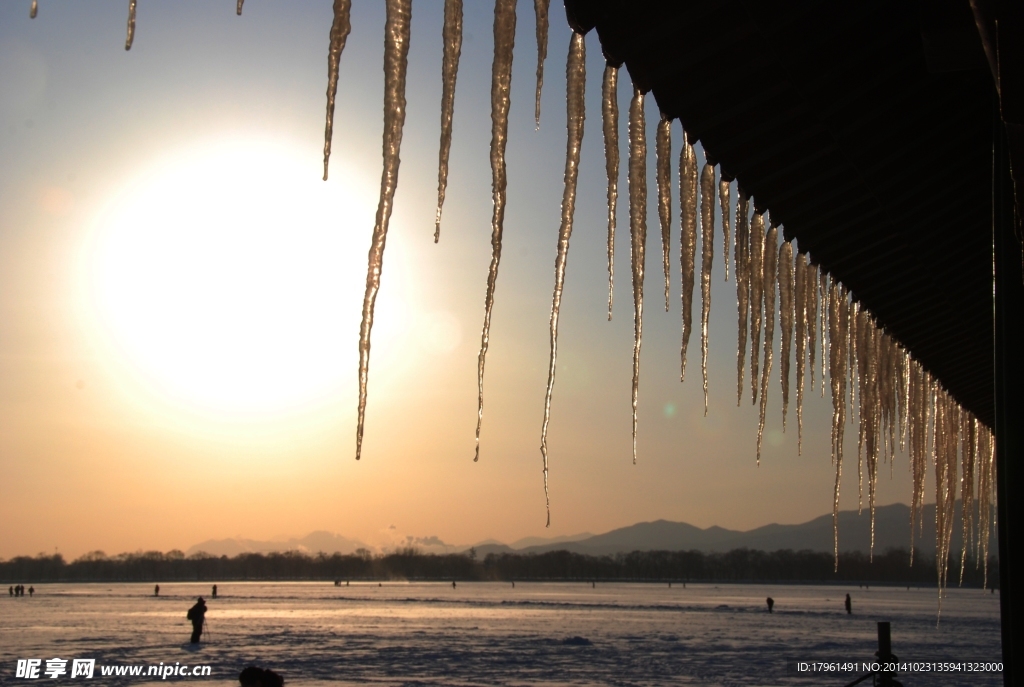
892,530
312,543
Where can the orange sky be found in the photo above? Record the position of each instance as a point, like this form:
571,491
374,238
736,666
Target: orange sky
179,299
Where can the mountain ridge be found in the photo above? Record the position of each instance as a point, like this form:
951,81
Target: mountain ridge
892,530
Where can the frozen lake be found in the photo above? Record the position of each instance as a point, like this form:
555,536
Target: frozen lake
492,634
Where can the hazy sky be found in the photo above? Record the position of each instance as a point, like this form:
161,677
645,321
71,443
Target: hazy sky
180,293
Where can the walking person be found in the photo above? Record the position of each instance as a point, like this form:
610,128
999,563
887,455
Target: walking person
849,606
197,614
215,591
771,604
156,590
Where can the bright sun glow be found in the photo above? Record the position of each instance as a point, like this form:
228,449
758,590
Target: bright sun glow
231,278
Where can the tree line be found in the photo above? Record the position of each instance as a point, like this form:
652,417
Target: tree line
739,565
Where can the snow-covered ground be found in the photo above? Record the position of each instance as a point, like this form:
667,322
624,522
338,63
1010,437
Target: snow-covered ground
494,634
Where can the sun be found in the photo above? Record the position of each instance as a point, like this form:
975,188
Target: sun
229,277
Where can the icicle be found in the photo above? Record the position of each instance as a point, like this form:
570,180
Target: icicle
883,389
770,274
811,297
575,78
742,257
855,361
800,299
131,25
687,242
663,147
637,230
238,7
838,325
610,117
986,495
501,82
540,8
707,247
945,456
34,9
918,431
895,394
756,278
339,34
854,308
903,380
451,36
786,311
396,53
873,339
825,297
968,430
723,200
939,461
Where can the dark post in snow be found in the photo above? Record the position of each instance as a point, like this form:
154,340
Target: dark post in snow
885,656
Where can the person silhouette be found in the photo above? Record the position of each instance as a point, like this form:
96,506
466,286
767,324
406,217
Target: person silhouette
260,677
849,606
771,604
453,584
197,614
215,591
31,591
156,590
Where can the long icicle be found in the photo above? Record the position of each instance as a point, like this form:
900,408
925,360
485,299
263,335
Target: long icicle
540,8
610,121
852,358
969,454
742,258
874,392
756,278
986,496
707,249
238,7
918,431
724,202
131,25
663,147
833,375
687,242
451,36
339,34
396,54
843,303
825,298
637,230
769,276
800,303
33,10
501,83
576,79
855,314
838,313
786,311
811,299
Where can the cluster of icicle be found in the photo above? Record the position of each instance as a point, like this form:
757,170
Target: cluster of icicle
897,400
900,406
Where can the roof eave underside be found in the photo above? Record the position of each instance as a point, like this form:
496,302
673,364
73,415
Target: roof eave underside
865,129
